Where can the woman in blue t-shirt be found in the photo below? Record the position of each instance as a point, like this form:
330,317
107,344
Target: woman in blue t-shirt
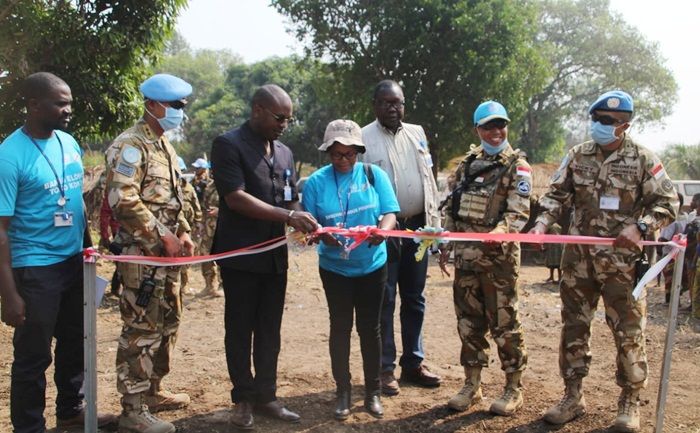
346,193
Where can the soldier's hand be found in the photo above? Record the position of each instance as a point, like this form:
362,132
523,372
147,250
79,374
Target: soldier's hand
303,222
187,245
13,310
171,245
213,211
629,237
443,259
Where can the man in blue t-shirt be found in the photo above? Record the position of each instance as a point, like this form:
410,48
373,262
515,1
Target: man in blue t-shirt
42,224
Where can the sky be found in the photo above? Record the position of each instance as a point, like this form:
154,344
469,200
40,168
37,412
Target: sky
255,31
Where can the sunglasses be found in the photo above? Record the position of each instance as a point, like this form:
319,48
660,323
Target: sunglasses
348,156
494,124
606,120
385,105
178,105
280,117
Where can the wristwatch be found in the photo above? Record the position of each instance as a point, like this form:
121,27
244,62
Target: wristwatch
642,227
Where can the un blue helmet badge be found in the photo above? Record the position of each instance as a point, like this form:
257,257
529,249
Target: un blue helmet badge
524,188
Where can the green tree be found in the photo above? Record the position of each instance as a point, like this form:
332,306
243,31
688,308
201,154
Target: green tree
449,55
591,50
100,48
681,161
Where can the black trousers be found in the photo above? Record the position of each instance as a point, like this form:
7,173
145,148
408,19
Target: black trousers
253,317
53,297
362,296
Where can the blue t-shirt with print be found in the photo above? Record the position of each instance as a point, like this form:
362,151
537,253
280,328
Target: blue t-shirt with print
350,199
29,194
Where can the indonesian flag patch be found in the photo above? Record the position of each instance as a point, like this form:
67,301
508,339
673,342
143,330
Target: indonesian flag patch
658,171
523,171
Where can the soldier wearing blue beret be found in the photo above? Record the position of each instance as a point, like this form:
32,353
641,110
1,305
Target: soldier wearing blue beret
617,189
147,200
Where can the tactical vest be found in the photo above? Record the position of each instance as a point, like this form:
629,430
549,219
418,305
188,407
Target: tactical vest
475,201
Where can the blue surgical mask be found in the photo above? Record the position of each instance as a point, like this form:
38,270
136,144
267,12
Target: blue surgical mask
493,150
603,134
172,119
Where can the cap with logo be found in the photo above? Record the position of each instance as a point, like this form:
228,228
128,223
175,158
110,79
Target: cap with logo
201,163
488,111
165,88
614,100
344,132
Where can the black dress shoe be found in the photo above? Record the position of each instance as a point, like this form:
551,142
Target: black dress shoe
342,408
275,409
374,406
421,376
242,416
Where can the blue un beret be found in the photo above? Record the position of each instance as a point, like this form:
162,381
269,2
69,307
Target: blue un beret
165,88
614,100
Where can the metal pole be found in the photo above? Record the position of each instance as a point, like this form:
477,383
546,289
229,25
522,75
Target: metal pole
668,346
90,344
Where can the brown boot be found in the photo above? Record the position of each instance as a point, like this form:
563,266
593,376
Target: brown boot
470,394
572,405
158,399
628,411
512,398
136,418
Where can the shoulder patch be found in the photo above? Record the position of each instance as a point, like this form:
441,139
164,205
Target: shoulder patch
667,185
524,188
131,155
523,171
125,169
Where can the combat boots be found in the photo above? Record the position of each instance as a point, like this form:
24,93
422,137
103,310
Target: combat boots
572,405
158,399
210,289
628,411
136,418
470,393
512,398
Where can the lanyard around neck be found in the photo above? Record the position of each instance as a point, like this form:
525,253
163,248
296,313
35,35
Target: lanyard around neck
345,209
61,185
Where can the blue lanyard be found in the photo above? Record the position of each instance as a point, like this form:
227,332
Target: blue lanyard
61,201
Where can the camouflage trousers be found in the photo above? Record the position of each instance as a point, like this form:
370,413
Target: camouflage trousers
148,333
210,270
588,273
486,299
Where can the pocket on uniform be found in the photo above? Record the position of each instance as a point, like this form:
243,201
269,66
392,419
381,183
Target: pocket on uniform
156,183
130,272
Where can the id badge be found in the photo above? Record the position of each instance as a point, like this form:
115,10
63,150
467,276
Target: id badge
63,219
608,202
287,193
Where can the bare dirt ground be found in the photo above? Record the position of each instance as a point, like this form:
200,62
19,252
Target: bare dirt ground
305,382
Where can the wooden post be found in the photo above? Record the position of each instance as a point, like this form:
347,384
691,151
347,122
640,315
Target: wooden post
668,346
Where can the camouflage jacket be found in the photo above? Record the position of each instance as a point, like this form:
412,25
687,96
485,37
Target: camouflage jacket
610,193
497,200
210,200
142,188
191,207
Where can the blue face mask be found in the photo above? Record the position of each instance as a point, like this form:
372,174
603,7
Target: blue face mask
172,119
603,134
492,150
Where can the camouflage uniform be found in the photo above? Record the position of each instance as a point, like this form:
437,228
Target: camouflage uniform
485,285
210,200
193,215
146,199
608,193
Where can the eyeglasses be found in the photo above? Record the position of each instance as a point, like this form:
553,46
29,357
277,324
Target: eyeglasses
606,120
385,105
494,124
281,118
348,156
